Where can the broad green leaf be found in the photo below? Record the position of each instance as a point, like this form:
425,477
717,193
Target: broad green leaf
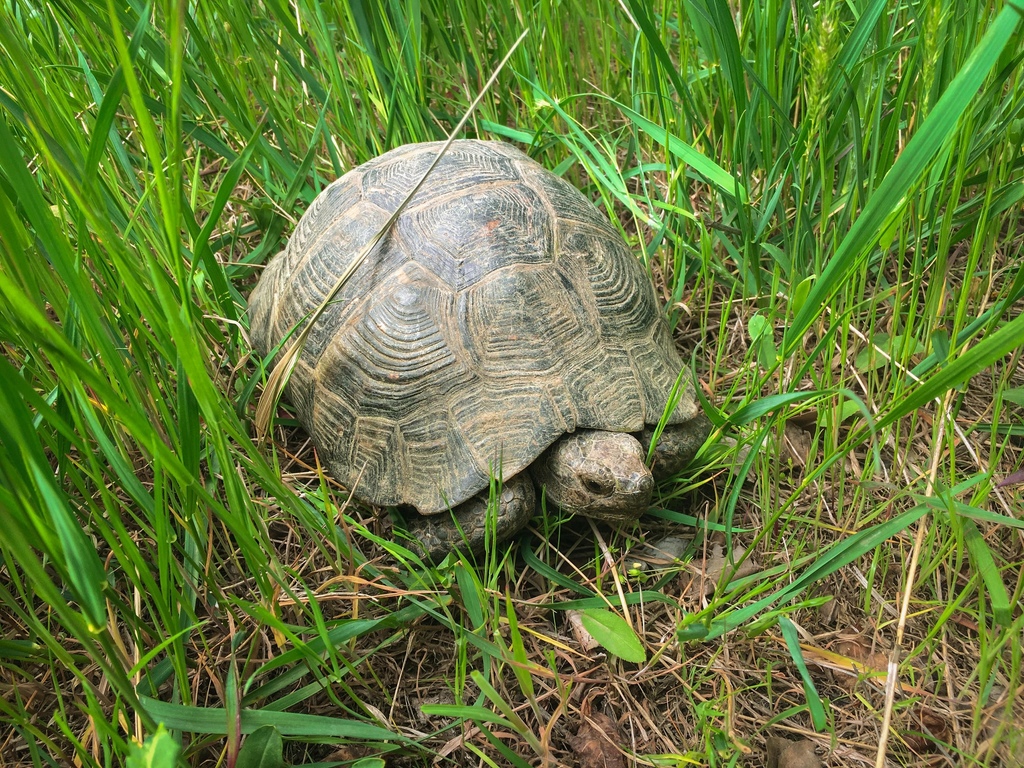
159,750
799,297
263,748
758,326
761,337
614,634
1014,395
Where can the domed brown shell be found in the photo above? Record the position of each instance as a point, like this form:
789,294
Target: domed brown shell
501,312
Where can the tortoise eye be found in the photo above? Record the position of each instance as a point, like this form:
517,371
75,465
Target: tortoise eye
598,487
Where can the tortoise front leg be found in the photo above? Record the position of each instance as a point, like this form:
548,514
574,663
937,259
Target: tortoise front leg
432,537
677,445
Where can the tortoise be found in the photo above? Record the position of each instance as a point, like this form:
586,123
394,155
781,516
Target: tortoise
502,325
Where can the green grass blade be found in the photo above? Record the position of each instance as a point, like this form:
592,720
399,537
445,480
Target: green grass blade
1002,342
712,171
829,562
985,564
214,720
814,703
886,202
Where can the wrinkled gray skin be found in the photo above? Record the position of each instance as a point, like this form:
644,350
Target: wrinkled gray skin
591,472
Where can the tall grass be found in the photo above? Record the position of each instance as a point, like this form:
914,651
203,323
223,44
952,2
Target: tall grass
828,194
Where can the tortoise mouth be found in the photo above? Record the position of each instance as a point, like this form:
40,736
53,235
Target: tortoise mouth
622,506
615,518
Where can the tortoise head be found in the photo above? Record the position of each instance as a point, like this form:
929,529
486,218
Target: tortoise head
596,474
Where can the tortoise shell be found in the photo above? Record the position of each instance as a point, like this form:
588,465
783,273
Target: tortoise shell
501,312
